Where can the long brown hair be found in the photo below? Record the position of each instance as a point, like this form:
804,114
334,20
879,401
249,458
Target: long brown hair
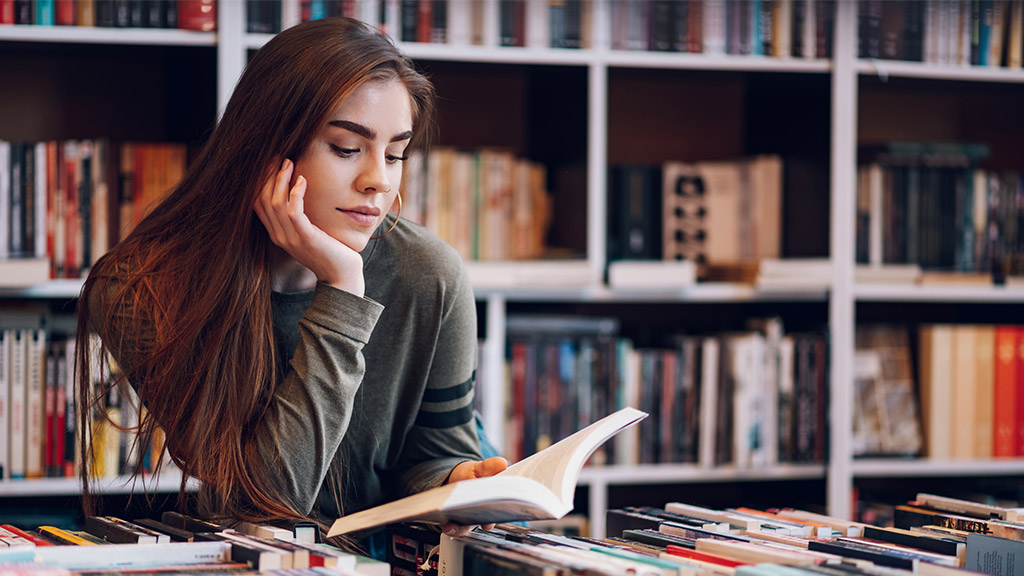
183,303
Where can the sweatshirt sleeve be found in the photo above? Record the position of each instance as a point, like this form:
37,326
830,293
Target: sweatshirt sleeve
444,432
313,404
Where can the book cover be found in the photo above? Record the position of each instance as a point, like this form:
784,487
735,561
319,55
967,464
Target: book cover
540,487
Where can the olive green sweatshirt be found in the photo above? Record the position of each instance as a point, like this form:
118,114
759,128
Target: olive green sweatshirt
380,385
383,384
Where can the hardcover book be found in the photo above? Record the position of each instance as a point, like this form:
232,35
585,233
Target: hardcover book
539,487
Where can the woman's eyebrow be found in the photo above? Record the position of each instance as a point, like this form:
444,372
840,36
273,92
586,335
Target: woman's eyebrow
365,132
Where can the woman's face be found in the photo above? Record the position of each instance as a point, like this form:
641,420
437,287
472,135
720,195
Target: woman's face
354,166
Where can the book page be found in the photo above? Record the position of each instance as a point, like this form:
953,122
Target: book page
558,466
539,487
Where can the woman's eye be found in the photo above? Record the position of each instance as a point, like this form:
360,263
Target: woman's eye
343,152
393,159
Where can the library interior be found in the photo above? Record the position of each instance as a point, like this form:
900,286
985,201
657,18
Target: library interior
738,269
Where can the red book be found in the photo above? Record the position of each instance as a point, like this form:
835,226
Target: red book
64,13
703,556
424,20
197,15
6,11
37,540
1004,417
1020,388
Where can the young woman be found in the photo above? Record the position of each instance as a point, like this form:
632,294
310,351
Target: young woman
305,352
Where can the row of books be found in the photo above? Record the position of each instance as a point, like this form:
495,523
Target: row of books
972,390
272,16
38,414
683,538
713,213
941,211
951,32
746,398
487,204
180,14
65,203
778,28
176,544
939,390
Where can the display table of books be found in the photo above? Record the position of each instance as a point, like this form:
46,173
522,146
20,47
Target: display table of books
933,536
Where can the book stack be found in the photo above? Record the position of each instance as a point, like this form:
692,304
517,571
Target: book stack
972,374
181,14
176,544
63,204
747,397
930,204
725,213
487,204
933,535
38,407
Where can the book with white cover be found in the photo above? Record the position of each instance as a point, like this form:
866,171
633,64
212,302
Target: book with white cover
539,487
651,274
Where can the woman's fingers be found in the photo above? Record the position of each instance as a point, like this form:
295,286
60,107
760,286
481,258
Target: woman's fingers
271,199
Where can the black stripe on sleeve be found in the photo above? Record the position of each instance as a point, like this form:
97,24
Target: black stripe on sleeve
450,393
449,419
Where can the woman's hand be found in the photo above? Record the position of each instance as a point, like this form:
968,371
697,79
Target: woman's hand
281,211
467,471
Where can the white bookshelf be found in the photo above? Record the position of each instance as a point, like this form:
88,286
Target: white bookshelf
498,285
116,36
164,483
926,467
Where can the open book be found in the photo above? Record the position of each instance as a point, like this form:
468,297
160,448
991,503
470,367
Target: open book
539,487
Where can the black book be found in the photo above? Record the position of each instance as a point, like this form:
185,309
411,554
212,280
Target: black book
656,538
257,557
185,522
840,548
906,538
117,531
635,226
175,534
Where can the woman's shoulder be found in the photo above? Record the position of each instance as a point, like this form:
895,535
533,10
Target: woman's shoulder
416,254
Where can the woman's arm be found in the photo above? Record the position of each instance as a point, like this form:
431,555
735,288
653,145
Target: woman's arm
312,407
444,433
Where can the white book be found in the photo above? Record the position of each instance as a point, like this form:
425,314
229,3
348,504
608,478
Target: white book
5,375
651,274
39,207
5,197
533,274
16,436
460,22
291,13
714,27
708,401
113,556
23,272
538,24
810,29
539,487
627,443
739,521
35,438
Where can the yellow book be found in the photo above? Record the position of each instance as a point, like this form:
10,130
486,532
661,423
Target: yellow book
63,536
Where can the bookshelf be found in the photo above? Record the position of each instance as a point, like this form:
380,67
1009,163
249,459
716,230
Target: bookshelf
753,104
